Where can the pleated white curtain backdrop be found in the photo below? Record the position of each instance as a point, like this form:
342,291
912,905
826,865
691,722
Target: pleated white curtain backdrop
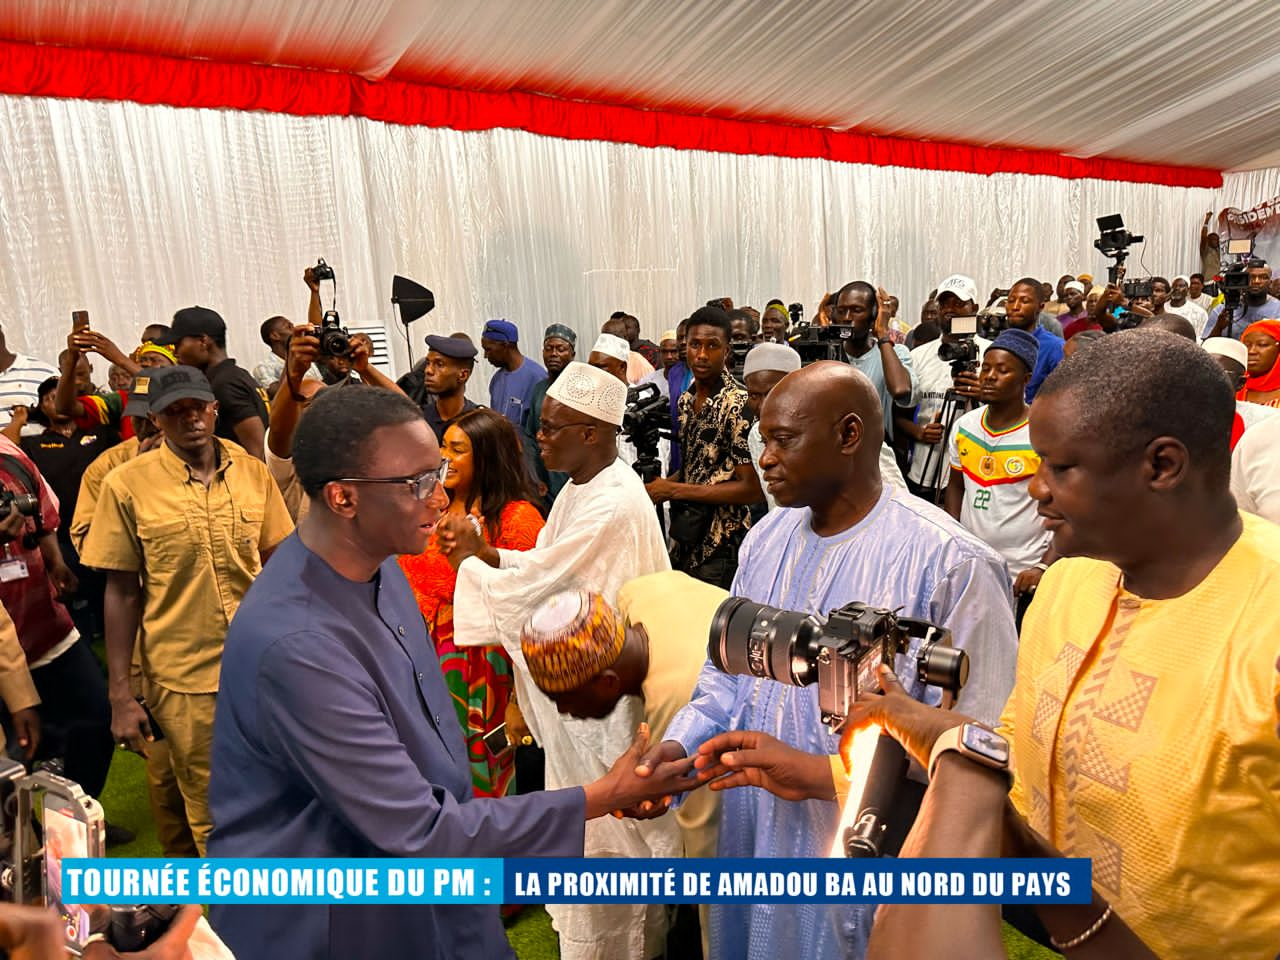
1248,188
133,211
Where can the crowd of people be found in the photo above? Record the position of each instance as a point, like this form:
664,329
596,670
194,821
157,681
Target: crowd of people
348,616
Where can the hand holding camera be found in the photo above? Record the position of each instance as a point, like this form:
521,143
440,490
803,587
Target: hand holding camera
126,939
913,724
30,933
361,353
12,525
304,348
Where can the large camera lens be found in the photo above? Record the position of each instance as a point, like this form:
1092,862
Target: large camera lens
943,666
335,343
25,503
757,640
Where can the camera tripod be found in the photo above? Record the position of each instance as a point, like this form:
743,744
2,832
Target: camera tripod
649,467
954,405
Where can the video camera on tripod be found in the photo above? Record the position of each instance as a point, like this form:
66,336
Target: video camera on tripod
1113,242
840,653
961,350
44,819
1235,273
646,421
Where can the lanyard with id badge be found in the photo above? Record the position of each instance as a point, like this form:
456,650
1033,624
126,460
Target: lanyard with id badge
12,568
28,504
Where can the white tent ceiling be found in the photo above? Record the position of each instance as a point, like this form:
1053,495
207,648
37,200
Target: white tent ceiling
1178,81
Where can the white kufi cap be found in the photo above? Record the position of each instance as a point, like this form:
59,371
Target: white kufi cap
1231,349
592,391
612,346
770,356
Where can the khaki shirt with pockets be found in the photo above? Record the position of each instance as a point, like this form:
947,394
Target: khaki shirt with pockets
91,486
17,689
196,549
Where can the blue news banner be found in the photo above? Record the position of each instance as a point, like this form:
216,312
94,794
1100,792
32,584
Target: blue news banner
290,881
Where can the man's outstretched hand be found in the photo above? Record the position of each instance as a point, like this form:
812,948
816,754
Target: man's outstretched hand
748,758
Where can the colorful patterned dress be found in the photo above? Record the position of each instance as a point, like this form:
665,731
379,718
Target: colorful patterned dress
478,678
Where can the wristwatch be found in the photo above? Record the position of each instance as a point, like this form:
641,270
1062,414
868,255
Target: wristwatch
976,742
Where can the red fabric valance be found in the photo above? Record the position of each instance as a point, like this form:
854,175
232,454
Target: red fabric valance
48,71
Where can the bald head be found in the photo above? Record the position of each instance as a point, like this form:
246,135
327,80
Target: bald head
822,426
1171,322
832,390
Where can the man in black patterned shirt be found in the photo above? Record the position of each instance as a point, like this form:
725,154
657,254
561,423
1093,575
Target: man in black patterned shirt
711,491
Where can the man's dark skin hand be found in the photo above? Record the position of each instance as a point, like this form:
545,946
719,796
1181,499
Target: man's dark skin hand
26,724
660,764
64,581
913,724
460,537
173,944
624,789
749,758
31,933
12,525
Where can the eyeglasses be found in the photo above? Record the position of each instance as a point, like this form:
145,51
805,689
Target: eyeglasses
550,431
423,485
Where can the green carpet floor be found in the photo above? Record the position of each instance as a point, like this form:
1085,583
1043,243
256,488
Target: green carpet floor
530,933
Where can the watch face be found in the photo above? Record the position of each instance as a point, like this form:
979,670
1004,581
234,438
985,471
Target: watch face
986,743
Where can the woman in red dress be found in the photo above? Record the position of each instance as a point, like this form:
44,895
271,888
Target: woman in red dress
487,480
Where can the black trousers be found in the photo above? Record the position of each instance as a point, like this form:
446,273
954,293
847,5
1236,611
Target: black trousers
719,568
86,605
75,717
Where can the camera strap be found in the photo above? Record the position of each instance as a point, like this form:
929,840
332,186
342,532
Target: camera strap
18,470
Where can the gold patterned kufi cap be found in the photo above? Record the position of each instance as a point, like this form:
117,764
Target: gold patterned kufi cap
571,638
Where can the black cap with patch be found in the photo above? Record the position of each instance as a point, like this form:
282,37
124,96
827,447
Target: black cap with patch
171,384
138,405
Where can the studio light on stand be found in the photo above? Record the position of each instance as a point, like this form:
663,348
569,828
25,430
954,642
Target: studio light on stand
414,301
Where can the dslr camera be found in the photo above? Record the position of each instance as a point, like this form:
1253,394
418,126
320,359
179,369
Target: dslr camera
335,340
738,350
322,271
27,504
839,652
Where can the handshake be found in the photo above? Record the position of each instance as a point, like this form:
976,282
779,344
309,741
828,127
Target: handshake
642,782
